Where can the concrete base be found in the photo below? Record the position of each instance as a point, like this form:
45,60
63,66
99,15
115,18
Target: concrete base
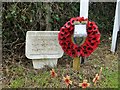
40,63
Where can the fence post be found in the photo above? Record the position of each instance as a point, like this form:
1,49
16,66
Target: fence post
115,27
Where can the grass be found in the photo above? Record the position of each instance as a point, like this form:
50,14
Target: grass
17,83
42,78
110,79
20,76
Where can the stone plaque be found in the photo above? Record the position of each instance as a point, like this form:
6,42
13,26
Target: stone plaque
43,44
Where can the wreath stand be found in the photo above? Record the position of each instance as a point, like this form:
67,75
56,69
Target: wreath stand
84,7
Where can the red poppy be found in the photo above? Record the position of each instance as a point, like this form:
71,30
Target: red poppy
92,34
72,20
98,42
64,48
68,24
79,51
95,27
62,43
75,47
89,30
84,84
97,37
90,24
82,53
71,29
61,36
74,53
63,30
68,41
53,74
67,80
86,19
96,79
89,49
80,19
69,53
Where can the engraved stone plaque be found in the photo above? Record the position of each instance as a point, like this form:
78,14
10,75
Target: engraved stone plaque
43,48
42,44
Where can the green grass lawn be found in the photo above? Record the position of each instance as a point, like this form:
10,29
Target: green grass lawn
42,79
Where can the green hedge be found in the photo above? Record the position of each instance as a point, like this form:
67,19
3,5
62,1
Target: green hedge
21,17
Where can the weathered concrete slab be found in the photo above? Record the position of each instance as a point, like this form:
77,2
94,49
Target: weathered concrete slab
43,44
43,48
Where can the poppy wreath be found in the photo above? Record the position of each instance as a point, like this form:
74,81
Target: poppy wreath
91,42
